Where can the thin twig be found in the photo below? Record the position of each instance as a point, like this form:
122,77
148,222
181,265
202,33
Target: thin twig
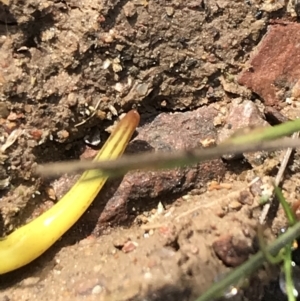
278,180
91,116
164,160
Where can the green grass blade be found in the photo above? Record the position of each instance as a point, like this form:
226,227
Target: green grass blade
288,272
266,134
286,207
253,264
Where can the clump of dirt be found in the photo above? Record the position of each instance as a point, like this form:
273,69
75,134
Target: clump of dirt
68,70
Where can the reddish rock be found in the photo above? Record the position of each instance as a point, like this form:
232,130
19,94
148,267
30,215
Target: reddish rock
129,246
273,69
232,252
122,199
140,191
242,116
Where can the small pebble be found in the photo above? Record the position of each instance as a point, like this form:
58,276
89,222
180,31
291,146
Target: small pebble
129,9
30,281
97,290
4,112
62,135
72,100
142,89
129,246
170,11
235,205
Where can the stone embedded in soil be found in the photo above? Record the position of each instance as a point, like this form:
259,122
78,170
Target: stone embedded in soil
141,190
231,251
4,111
273,69
86,286
129,246
129,9
243,116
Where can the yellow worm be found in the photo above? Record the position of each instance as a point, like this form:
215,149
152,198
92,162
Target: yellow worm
30,241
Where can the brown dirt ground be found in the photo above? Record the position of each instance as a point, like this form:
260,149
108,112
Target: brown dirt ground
67,62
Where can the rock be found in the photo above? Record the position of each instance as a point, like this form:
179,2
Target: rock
167,132
4,111
231,251
31,281
273,69
129,246
242,116
129,9
86,286
170,11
